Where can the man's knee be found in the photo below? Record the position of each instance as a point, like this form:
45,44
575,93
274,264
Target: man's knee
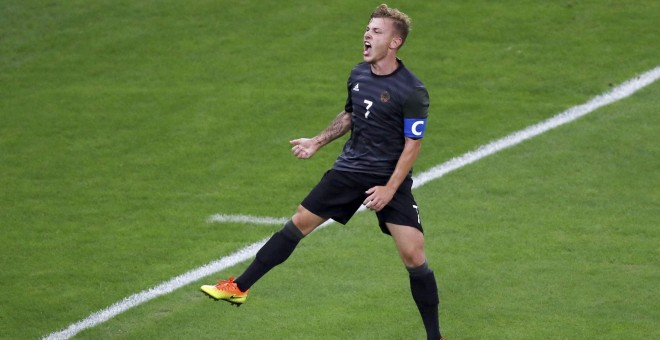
306,221
413,258
410,243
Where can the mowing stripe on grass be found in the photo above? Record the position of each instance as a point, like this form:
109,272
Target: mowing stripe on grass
620,92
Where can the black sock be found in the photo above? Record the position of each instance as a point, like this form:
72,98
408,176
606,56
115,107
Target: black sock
276,250
425,293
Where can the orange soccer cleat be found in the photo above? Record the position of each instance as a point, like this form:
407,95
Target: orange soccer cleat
226,290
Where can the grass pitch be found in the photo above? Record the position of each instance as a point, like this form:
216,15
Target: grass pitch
124,125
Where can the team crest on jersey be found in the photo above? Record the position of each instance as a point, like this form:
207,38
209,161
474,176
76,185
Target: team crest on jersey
385,97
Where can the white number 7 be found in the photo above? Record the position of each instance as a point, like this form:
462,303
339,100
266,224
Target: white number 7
369,103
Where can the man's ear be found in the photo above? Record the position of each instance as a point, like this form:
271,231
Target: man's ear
396,43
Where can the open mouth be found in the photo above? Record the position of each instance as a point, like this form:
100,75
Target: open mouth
367,47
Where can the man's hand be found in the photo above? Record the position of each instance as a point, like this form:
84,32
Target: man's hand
304,148
379,197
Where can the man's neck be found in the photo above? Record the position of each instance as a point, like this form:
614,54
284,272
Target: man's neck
385,66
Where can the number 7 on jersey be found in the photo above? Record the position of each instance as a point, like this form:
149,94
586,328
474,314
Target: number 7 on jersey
369,103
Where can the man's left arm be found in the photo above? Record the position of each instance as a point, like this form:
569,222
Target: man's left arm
415,113
380,196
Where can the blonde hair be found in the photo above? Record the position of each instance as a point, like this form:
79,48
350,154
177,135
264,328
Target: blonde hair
401,21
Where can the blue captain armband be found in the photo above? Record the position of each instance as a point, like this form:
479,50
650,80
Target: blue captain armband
414,127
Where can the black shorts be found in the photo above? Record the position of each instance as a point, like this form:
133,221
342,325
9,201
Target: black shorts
340,194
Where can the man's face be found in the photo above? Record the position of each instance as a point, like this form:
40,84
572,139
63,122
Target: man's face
377,39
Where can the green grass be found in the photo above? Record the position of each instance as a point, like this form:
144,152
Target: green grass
124,125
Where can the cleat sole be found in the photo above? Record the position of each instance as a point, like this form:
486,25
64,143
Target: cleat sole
237,304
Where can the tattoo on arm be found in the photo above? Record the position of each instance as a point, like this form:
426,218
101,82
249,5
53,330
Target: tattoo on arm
337,128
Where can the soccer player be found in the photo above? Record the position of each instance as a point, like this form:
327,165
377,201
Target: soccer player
386,111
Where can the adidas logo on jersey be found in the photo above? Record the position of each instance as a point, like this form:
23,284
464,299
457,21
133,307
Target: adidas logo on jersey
356,88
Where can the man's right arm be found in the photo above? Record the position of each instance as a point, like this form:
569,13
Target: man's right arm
304,148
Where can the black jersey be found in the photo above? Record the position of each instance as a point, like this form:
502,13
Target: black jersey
384,110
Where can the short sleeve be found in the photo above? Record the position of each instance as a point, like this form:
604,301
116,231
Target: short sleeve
415,112
348,107
417,104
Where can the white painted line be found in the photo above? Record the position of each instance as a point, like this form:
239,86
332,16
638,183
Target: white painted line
620,92
134,300
220,218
